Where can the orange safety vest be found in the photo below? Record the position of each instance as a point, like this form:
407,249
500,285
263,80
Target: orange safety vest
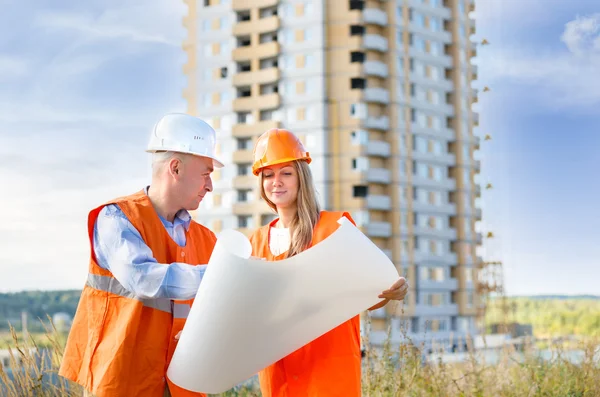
120,345
329,365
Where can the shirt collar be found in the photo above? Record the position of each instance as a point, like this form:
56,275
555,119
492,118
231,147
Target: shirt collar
182,217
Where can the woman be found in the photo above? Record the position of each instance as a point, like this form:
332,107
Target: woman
331,364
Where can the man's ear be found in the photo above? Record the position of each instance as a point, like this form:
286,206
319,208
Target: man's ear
174,166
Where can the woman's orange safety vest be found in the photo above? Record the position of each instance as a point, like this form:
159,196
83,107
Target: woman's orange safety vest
329,365
121,345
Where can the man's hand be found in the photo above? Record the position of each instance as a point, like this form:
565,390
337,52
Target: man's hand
397,291
178,335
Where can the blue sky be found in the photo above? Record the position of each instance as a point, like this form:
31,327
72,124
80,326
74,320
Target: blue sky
82,83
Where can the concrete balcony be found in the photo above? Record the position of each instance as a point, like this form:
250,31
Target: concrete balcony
243,156
241,5
448,159
378,175
378,202
445,133
445,183
374,16
445,285
448,233
375,68
244,182
375,42
443,83
445,209
447,258
376,94
478,213
475,118
244,207
449,309
377,123
263,25
246,104
444,108
443,36
378,229
443,60
265,50
443,12
378,149
263,76
253,129
477,165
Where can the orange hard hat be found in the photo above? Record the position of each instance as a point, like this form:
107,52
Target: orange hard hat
277,146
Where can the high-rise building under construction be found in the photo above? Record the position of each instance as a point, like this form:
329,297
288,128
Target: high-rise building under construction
380,94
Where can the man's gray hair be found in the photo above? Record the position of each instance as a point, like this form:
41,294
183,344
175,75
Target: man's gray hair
161,159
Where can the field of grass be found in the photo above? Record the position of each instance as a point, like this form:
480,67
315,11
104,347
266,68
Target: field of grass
387,371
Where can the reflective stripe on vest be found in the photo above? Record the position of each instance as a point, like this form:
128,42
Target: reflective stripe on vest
181,310
112,285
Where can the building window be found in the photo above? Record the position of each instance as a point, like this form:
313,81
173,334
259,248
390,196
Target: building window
243,16
243,169
244,92
244,195
357,56
244,143
357,30
265,219
356,4
243,67
245,221
245,118
268,12
358,110
358,83
243,41
360,137
266,115
360,191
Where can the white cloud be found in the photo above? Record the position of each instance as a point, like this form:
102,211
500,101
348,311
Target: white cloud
135,22
582,36
567,78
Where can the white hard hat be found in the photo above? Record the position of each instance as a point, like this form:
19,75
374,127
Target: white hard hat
179,132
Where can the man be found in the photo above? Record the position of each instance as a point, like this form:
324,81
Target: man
147,260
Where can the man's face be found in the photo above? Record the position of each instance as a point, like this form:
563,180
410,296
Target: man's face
194,181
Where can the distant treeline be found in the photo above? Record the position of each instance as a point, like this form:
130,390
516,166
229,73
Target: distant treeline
37,304
555,316
550,315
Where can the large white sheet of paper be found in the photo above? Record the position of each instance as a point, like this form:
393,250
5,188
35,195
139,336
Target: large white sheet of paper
249,313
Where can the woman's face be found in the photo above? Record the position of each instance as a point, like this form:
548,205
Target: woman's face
280,183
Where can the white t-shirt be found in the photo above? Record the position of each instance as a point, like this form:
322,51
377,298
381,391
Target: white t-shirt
279,240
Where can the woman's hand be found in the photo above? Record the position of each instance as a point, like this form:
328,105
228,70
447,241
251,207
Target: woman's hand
397,291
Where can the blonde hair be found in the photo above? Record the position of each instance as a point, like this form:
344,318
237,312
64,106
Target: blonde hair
308,209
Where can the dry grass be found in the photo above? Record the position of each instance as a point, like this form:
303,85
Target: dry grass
389,371
33,369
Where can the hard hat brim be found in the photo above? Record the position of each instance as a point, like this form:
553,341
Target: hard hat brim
216,162
280,161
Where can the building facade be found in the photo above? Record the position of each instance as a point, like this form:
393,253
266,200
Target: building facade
380,94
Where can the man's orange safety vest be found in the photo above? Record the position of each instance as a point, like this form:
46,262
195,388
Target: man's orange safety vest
329,365
121,345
